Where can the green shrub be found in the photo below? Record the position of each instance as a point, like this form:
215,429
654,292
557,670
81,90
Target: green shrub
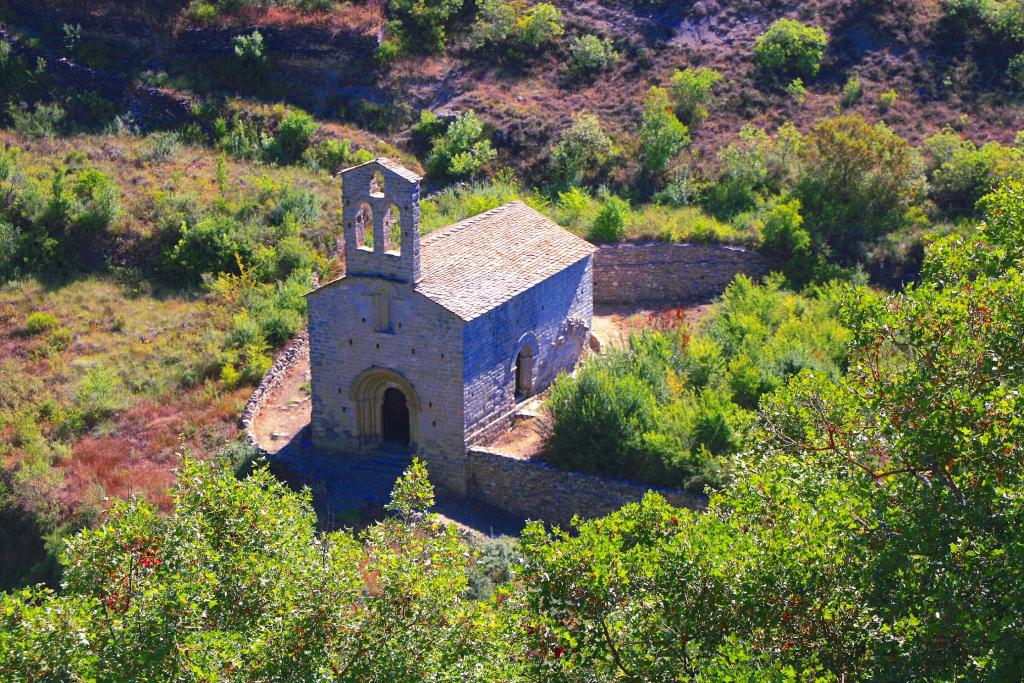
301,205
39,322
610,223
249,50
159,148
853,90
791,47
1015,72
516,27
888,100
797,91
581,154
589,54
962,172
45,120
293,137
423,22
462,150
213,245
662,135
100,394
692,92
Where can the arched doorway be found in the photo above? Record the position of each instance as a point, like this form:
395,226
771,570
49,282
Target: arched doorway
395,418
387,409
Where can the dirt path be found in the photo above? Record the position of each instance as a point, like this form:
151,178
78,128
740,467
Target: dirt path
287,411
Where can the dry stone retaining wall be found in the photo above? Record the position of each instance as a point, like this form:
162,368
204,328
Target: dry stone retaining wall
293,354
538,491
662,272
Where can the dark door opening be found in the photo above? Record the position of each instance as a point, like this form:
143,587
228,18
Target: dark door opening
524,375
395,418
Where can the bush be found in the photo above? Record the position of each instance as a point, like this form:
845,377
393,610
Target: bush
692,92
100,394
249,50
213,245
797,91
46,120
160,147
517,26
423,22
853,90
293,137
1015,72
582,153
39,322
857,182
662,135
791,47
888,100
462,150
301,205
610,223
589,54
962,172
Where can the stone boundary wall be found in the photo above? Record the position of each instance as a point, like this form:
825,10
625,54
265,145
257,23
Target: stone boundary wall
536,490
665,272
296,350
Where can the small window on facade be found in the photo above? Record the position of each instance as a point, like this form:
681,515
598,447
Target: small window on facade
382,311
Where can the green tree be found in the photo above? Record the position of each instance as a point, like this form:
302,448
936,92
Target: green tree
581,154
662,135
424,22
589,54
692,92
518,26
462,150
791,47
856,182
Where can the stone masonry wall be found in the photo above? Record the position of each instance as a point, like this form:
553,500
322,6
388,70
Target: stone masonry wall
635,274
538,491
555,316
423,346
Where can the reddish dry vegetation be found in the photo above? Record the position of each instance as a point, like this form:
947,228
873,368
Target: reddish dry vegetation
139,454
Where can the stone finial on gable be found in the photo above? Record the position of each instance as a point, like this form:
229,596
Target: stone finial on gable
381,220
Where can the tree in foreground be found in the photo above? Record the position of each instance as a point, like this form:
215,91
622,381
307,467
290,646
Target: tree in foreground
237,585
871,532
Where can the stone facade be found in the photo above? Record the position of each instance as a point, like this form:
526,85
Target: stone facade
638,274
535,490
423,346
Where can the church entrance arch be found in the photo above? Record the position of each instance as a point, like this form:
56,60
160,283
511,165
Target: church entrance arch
387,408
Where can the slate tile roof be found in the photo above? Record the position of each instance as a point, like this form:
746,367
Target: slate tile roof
475,265
393,166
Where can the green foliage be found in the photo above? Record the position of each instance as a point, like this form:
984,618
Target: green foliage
516,27
888,100
589,55
610,222
662,135
249,50
853,91
424,22
100,394
797,91
791,47
753,169
857,182
581,154
961,172
692,92
39,322
43,121
294,135
462,150
237,580
668,407
1015,72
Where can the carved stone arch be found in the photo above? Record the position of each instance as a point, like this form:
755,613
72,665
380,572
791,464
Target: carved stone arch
368,392
524,366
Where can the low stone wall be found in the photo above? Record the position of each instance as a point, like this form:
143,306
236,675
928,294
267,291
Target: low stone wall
289,358
662,272
535,490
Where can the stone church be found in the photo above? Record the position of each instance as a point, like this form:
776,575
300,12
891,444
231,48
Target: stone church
428,344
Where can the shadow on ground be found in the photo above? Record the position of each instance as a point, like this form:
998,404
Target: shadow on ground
350,490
